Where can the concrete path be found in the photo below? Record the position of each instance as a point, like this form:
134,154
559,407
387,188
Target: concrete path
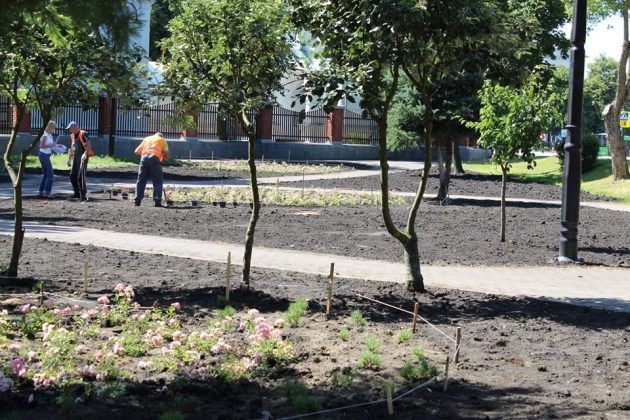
588,286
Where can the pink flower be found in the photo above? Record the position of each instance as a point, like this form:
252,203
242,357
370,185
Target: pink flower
249,364
19,367
104,300
87,372
263,330
67,311
119,288
242,326
26,308
156,340
176,305
118,349
99,355
178,336
279,323
253,313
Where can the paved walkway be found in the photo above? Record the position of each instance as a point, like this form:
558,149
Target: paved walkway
589,286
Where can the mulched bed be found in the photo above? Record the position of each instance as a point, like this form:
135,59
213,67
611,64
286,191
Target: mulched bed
520,358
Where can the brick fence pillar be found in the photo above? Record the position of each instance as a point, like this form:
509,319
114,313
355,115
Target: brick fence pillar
334,125
264,125
25,124
104,116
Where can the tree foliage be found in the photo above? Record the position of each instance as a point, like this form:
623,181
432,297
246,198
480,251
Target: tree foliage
599,90
48,59
234,52
511,120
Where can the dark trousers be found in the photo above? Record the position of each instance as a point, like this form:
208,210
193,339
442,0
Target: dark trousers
150,167
78,176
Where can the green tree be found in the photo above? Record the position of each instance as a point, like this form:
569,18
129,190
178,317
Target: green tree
510,121
599,89
369,44
233,51
599,10
46,61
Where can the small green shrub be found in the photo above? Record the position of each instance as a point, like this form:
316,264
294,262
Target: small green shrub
358,318
296,311
372,344
370,360
227,311
590,150
343,379
344,334
297,393
404,335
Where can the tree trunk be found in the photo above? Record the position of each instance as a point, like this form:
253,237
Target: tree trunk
459,169
414,280
251,227
18,232
113,116
616,146
611,111
445,172
504,171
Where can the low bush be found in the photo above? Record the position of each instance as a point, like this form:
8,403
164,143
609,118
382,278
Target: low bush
590,150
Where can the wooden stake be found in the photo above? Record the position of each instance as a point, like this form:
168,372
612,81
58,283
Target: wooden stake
189,155
330,287
41,293
390,402
458,340
85,277
416,308
446,374
228,277
212,158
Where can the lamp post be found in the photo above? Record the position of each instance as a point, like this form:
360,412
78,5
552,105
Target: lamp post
570,213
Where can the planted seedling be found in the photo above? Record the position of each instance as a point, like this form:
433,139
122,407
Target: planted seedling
358,318
296,311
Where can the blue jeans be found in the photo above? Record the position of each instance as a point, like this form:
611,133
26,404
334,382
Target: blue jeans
45,186
150,166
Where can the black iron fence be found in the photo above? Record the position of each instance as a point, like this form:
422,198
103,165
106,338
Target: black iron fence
212,124
6,115
86,118
294,126
142,121
359,130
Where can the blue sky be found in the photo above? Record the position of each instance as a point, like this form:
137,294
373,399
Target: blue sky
604,38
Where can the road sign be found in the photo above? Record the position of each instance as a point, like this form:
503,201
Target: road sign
624,121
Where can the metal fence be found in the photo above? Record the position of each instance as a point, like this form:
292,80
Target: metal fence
144,121
212,125
359,130
294,126
87,118
6,115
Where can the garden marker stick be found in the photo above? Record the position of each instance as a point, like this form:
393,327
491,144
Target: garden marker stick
458,339
228,277
446,374
416,308
390,403
330,286
85,277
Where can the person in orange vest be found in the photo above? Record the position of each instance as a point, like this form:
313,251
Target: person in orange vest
152,151
78,157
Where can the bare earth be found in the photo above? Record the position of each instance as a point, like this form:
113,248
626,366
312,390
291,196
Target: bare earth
520,358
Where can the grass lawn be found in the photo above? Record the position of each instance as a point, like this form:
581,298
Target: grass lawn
270,167
599,181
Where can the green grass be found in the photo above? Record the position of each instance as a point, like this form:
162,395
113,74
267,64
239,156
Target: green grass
599,181
266,167
59,162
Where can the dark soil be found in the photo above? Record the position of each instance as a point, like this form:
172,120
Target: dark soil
520,358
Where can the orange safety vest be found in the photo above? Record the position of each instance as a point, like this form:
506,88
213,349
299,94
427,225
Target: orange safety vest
88,150
153,145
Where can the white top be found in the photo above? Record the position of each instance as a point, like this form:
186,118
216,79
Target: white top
48,143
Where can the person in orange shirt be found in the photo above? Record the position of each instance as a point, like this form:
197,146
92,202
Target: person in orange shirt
152,151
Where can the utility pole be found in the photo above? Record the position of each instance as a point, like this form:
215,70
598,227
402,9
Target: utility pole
570,214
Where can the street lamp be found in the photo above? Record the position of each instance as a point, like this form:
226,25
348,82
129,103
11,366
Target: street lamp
570,213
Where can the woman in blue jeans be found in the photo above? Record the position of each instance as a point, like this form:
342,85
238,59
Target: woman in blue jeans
46,144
